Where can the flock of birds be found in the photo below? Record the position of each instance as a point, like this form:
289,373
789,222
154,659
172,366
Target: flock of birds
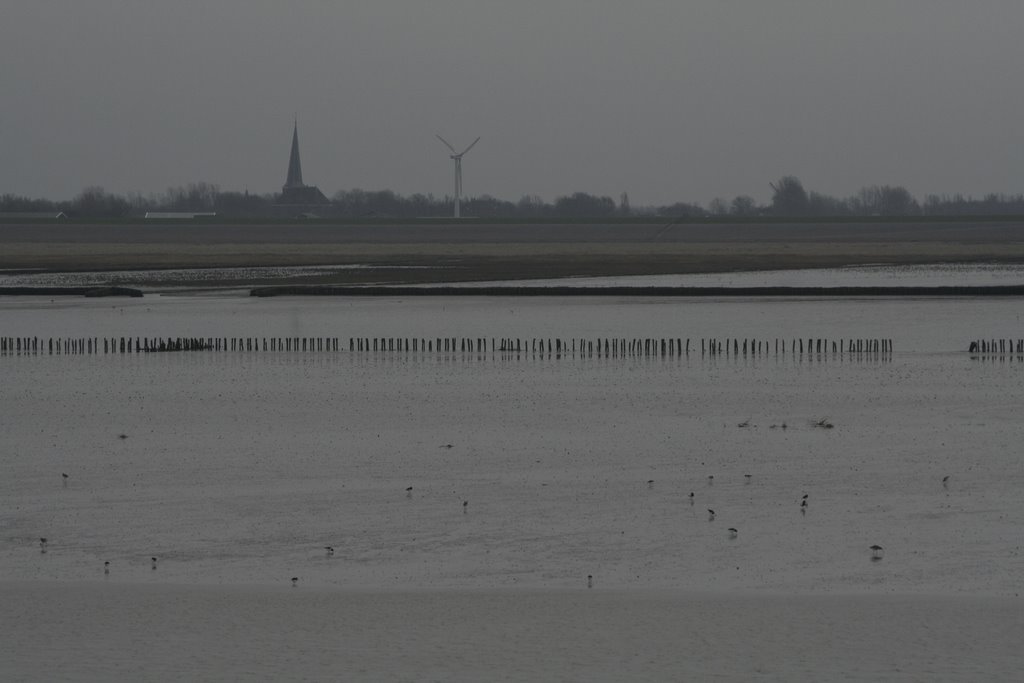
733,531
877,551
153,560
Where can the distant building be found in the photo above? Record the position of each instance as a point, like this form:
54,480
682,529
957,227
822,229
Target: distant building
33,215
179,215
296,193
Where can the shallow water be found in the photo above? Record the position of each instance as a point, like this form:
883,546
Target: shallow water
915,325
529,472
240,467
194,276
868,275
880,275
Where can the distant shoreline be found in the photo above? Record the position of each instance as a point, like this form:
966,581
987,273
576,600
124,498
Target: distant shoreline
552,291
624,291
410,253
88,292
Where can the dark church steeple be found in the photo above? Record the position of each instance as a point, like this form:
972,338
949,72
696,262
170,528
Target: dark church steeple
294,163
295,192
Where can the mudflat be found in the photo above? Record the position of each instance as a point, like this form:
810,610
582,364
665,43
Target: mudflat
428,251
93,631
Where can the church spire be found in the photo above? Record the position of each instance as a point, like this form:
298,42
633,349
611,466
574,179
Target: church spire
296,193
294,163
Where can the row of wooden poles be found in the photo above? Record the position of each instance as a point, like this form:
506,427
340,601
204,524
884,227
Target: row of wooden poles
616,347
609,347
997,346
91,345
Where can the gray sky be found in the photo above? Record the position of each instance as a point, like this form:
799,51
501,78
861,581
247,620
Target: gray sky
666,100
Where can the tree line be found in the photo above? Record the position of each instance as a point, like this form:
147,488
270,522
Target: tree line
789,199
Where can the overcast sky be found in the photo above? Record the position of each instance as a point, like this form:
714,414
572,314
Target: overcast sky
666,100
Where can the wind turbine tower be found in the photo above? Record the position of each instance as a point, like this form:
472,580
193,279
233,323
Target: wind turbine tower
457,157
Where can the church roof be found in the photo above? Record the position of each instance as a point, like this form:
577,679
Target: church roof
305,195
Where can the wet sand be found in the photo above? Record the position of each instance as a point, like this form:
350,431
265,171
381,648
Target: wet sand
121,631
464,252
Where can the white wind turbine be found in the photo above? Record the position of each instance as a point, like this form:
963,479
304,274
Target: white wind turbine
457,156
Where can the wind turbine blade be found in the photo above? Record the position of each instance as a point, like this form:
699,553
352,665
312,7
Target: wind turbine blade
446,144
470,146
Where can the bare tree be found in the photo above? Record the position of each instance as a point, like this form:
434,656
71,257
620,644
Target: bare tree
718,207
743,205
624,209
885,200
